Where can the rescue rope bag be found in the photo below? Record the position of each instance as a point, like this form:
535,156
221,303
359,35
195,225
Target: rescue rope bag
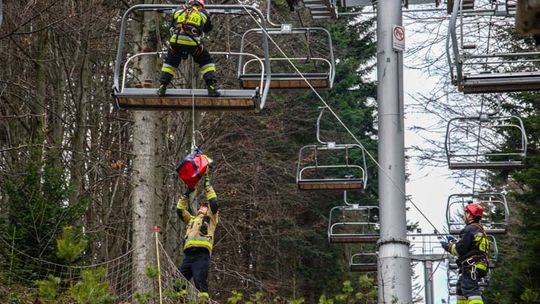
192,168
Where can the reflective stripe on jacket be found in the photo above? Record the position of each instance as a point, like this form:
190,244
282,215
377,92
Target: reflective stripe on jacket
189,24
194,237
473,242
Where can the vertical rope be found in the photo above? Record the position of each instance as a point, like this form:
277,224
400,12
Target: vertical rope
156,230
193,143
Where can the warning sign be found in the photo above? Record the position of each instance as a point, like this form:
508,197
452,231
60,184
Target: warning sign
398,38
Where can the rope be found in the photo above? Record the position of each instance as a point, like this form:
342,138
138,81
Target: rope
156,230
193,142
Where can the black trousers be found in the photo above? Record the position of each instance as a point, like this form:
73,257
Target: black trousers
195,265
179,52
467,286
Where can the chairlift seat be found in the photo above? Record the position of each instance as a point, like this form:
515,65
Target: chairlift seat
498,165
500,82
363,267
183,99
287,80
353,238
331,184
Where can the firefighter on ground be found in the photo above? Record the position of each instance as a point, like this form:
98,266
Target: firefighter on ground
187,27
199,237
472,250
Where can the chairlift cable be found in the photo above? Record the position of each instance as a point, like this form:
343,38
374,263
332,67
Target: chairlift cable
333,112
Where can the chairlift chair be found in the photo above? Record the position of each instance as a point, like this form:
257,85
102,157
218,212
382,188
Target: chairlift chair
363,262
480,63
317,71
331,166
477,143
353,224
130,95
496,214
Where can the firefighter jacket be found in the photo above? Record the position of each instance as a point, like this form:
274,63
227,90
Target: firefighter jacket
200,228
472,248
188,25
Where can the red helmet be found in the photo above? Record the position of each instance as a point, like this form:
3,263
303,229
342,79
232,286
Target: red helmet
474,209
196,2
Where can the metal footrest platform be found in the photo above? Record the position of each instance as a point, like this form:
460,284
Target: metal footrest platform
353,238
501,82
330,184
486,165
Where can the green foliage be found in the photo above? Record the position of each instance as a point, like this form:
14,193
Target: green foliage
37,209
70,245
236,297
530,296
143,297
363,291
13,298
92,288
151,272
48,288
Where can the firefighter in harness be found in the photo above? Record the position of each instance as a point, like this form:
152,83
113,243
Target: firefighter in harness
199,237
472,250
187,28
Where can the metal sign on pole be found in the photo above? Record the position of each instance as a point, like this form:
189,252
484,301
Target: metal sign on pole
398,38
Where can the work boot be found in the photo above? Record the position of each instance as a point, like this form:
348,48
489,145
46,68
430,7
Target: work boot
162,89
213,90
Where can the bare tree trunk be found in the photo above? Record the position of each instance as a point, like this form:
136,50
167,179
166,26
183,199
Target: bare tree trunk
147,177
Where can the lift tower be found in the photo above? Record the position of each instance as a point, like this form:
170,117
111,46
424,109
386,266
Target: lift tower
394,269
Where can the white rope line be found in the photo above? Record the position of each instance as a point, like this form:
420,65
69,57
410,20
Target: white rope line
193,143
335,115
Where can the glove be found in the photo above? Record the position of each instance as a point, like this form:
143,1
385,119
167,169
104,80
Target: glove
444,245
188,192
451,239
184,200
